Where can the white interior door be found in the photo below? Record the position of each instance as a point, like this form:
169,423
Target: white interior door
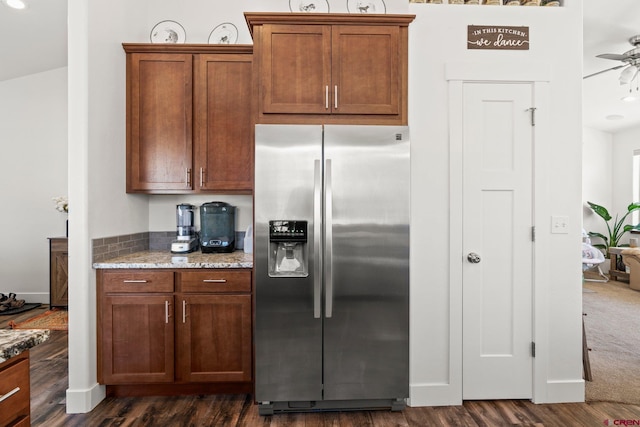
497,241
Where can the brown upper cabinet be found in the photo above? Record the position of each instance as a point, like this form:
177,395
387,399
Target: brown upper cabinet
189,118
330,68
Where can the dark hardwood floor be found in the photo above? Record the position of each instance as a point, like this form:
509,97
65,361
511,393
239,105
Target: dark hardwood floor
49,383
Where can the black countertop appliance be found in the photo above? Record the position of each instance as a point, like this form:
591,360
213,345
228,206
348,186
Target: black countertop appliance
217,227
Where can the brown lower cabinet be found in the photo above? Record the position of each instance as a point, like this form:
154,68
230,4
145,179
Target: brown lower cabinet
14,391
175,331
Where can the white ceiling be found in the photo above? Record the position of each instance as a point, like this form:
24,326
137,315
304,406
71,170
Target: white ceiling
35,40
607,27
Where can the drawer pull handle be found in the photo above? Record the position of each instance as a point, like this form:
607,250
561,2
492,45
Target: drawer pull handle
215,280
135,281
8,395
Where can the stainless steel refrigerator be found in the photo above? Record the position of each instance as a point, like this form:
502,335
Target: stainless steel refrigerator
331,267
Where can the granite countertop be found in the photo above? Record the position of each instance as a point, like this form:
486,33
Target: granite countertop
165,259
15,341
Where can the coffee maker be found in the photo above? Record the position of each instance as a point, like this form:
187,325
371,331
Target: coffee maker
217,227
187,240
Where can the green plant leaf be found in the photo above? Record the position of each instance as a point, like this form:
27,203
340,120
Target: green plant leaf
600,211
616,229
602,236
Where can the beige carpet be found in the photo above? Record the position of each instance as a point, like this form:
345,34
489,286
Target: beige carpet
612,326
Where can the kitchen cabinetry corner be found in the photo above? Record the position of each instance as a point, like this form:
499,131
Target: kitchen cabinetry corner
163,331
189,119
330,68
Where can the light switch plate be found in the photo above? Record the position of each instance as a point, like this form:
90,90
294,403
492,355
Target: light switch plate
559,224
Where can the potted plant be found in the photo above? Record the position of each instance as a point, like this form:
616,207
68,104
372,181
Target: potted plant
616,229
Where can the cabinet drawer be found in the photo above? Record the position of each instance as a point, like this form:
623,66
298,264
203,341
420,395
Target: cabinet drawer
215,281
137,281
14,390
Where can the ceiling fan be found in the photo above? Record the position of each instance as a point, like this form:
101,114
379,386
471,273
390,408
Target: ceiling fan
631,59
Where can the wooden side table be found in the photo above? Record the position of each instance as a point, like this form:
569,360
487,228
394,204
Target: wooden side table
58,277
614,273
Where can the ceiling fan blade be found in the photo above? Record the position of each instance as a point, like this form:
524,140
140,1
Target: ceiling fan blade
614,56
604,71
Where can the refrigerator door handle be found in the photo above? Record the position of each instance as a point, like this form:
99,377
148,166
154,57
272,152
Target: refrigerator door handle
317,230
328,240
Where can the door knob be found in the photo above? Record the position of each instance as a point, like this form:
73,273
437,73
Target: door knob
473,258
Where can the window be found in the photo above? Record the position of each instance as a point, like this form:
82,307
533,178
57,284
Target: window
635,216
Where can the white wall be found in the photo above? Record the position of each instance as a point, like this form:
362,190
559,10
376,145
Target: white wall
597,177
33,167
97,155
162,209
624,143
438,38
608,174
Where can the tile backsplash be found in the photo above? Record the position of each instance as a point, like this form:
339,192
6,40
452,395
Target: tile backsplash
111,247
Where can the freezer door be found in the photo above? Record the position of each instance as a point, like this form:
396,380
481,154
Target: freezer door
366,328
288,326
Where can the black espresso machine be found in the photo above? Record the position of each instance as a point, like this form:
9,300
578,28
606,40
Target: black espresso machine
217,227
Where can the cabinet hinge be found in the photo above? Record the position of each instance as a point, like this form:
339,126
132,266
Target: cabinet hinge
533,233
533,115
533,349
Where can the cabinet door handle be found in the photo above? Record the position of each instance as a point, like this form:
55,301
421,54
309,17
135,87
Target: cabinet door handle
215,280
8,395
166,311
188,177
202,172
326,97
184,311
134,281
335,97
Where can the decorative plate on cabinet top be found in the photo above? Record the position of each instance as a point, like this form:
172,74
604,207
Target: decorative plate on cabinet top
168,32
225,33
309,6
366,6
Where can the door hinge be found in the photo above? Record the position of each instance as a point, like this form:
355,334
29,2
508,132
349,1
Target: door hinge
533,233
533,349
533,115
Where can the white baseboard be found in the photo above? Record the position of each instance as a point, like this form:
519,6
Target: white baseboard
446,395
81,401
563,392
31,297
433,395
